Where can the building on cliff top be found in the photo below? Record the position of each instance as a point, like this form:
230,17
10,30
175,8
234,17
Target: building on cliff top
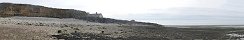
99,15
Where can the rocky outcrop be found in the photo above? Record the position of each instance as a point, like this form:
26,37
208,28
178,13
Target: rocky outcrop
10,9
121,22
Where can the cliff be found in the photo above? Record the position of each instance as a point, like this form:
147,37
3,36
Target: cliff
10,9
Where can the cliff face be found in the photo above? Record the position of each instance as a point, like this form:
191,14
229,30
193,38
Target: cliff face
10,9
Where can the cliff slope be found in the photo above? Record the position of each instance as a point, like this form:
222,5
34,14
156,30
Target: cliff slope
11,9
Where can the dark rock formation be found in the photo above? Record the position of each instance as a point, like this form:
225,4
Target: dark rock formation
89,36
110,20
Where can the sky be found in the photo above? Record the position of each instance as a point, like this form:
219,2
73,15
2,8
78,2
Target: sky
165,12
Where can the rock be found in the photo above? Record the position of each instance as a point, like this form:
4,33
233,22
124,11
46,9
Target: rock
59,31
102,32
76,29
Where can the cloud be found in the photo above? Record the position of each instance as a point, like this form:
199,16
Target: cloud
190,15
157,11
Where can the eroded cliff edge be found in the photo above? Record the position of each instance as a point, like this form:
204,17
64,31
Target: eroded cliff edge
12,9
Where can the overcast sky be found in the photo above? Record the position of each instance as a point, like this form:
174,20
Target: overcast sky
166,12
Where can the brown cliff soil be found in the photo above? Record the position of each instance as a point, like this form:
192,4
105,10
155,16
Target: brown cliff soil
10,9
